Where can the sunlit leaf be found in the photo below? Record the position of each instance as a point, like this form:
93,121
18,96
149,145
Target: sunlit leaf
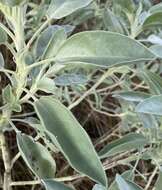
103,49
61,8
126,143
73,140
36,156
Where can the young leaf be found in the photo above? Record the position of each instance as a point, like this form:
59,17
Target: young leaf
111,22
153,20
48,36
156,8
55,43
151,105
47,85
103,49
73,140
126,143
127,5
132,96
62,8
126,185
54,185
70,79
36,156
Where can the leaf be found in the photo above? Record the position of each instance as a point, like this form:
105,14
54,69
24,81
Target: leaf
132,96
153,20
126,143
54,185
156,8
12,2
127,5
3,36
98,187
151,105
47,85
157,50
1,61
62,8
154,82
70,79
55,43
103,49
126,185
48,38
36,156
111,22
73,140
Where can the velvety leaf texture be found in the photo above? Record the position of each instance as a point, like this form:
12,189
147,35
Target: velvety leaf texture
36,156
61,8
103,49
73,140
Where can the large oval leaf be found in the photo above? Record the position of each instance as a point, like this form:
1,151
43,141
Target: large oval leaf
61,8
151,105
73,140
128,142
54,185
103,49
36,156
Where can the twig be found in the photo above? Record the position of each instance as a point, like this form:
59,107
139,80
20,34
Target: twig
7,163
151,178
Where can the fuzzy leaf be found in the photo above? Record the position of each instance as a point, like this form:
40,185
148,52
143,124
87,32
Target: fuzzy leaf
36,156
153,20
70,79
62,8
103,49
73,140
126,185
132,96
151,105
126,143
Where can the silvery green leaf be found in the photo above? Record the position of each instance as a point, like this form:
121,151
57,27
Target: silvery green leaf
111,22
36,156
126,185
153,20
47,85
70,79
56,41
157,50
54,185
151,105
126,143
60,122
156,8
98,187
62,8
102,48
12,2
47,35
132,96
158,184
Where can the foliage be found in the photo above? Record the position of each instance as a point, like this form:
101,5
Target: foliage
53,71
